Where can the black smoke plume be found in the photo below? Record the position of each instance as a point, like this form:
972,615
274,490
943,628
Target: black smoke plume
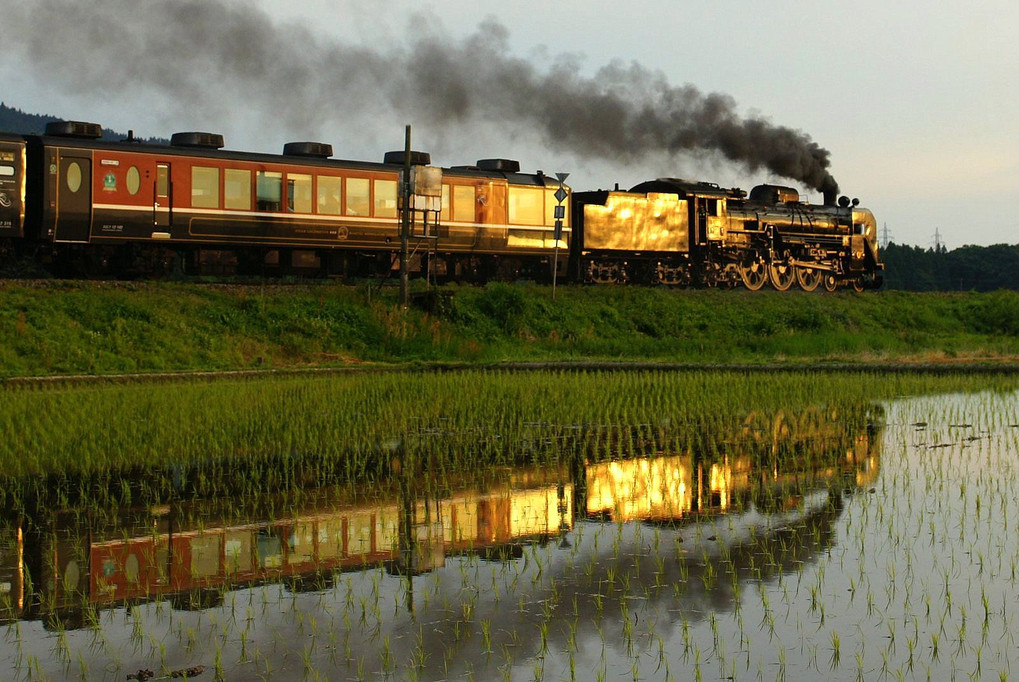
224,56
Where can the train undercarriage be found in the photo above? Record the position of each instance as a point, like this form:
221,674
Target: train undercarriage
136,260
751,268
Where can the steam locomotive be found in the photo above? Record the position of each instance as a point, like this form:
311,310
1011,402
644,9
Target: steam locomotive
84,206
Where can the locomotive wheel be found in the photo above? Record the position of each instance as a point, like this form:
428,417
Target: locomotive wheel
782,276
808,278
754,275
858,284
830,283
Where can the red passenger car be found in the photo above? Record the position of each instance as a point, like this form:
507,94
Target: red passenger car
193,201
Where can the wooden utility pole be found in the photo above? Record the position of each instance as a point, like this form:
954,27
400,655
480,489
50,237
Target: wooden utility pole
405,226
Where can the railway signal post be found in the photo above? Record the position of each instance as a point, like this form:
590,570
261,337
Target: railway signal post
560,213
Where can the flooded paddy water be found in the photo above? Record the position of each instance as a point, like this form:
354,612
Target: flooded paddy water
643,526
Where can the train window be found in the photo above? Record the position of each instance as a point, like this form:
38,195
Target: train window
526,205
237,551
204,556
463,204
204,187
301,543
385,198
162,180
269,548
134,180
358,196
237,189
6,171
550,205
73,177
330,538
713,207
444,212
298,193
330,195
269,190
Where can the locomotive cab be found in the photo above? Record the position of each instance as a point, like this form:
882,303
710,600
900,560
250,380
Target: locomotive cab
865,245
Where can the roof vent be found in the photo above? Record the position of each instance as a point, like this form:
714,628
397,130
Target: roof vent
416,158
91,131
503,165
206,140
319,150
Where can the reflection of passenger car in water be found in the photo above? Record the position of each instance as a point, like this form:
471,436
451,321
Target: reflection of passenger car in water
190,548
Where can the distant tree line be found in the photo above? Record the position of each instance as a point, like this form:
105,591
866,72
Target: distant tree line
17,121
967,268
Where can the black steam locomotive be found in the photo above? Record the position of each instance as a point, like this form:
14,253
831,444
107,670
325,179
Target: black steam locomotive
81,205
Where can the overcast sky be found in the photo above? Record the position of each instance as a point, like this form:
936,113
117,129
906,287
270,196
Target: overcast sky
911,107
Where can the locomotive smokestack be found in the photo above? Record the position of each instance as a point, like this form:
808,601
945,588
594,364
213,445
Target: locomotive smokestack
830,189
227,52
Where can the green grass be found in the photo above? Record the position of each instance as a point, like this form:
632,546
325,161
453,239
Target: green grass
61,328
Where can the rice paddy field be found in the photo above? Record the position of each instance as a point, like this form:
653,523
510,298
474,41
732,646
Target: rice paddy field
644,525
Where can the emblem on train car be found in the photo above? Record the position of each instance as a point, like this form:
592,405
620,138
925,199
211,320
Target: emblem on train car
110,182
5,201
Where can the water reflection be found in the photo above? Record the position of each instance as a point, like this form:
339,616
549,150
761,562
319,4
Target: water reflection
776,479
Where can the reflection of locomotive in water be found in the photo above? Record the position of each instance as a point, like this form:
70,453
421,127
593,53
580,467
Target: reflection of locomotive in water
771,464
85,205
182,551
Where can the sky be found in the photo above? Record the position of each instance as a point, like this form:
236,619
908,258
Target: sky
910,107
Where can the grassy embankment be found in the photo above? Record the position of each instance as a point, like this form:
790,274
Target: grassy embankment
61,328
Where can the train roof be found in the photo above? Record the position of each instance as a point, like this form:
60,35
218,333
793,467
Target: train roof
684,188
483,169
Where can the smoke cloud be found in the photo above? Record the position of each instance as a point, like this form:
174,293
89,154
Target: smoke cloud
222,56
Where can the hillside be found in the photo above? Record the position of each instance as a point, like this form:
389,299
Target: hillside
17,121
61,328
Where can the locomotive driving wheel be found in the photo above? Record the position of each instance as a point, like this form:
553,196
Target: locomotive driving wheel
808,278
830,283
754,274
782,275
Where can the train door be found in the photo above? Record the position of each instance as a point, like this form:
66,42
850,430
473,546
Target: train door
162,207
74,199
12,189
